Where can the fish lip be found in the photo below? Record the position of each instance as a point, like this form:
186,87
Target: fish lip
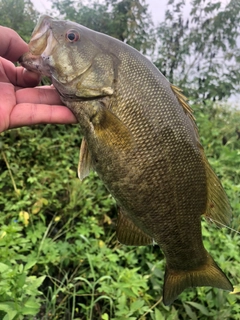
40,48
41,27
28,61
34,63
39,58
40,35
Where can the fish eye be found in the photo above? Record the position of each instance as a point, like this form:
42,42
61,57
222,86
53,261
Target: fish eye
72,36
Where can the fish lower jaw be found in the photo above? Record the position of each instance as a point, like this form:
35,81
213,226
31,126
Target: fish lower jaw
34,64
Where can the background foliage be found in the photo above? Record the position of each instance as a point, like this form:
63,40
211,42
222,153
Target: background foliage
200,52
59,255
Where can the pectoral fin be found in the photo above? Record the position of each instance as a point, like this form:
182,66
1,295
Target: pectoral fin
129,234
110,130
85,161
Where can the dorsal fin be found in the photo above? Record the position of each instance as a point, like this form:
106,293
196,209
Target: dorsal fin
183,101
188,111
218,207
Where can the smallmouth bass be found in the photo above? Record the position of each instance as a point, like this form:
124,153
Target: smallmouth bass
141,139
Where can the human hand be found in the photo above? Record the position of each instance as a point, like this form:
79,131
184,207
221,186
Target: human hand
19,104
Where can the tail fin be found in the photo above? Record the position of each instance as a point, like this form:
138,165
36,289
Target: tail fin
175,281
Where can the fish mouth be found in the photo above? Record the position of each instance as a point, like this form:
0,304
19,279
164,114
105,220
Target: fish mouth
40,48
43,55
51,55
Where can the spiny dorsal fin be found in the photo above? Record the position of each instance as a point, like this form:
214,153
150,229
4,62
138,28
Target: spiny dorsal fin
188,111
85,161
183,101
129,234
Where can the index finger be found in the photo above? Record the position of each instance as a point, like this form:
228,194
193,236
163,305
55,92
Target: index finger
26,114
38,95
12,45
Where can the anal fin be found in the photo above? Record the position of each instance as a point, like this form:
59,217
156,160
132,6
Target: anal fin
85,161
129,234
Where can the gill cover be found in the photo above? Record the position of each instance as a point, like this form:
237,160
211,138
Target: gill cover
73,57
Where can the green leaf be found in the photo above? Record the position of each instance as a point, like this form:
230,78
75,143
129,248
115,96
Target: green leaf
200,307
236,289
21,280
3,267
137,305
30,264
9,308
36,282
31,307
158,315
192,315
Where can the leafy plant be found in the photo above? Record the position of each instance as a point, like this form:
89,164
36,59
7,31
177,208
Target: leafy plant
19,295
59,255
126,20
199,51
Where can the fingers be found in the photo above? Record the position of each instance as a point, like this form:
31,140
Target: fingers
26,78
25,106
39,105
29,114
39,95
7,103
17,76
12,45
14,115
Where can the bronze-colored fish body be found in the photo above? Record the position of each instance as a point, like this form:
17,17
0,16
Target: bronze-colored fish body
140,137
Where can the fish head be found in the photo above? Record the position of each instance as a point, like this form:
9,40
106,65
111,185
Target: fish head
72,56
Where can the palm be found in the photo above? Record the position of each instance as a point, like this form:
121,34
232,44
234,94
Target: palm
19,103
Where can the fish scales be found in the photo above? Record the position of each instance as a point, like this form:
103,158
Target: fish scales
140,137
163,137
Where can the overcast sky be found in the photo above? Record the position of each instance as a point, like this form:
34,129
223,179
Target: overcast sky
156,7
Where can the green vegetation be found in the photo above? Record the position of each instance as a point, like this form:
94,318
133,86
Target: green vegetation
200,52
57,244
126,20
59,255
19,15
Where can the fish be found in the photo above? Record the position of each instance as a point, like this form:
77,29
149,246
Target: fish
140,136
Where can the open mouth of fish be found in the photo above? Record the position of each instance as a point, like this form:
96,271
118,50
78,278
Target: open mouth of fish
40,48
42,58
72,58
